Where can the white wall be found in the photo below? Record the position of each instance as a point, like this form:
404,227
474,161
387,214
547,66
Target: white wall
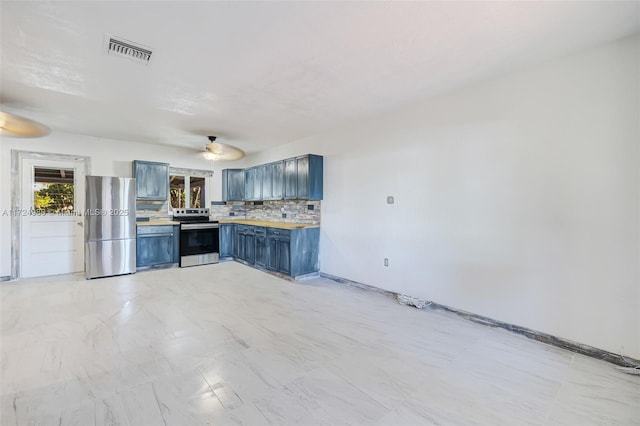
108,158
516,198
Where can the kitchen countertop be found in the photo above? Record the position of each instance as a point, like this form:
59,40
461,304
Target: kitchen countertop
157,222
269,223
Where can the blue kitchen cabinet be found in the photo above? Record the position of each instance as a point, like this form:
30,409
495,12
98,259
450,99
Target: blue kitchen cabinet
152,180
299,178
176,244
156,245
304,251
293,252
279,250
277,180
227,231
309,175
290,179
257,186
249,183
236,243
283,259
261,246
250,246
246,243
272,253
266,172
253,184
239,249
233,185
272,180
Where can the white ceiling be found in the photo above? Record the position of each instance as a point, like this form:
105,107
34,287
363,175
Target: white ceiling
260,74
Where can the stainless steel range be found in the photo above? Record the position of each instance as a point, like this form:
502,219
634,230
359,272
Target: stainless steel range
199,237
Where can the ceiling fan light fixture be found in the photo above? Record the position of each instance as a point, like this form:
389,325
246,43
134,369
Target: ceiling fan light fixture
211,156
217,151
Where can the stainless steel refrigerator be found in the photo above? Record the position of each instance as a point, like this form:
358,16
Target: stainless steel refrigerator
110,226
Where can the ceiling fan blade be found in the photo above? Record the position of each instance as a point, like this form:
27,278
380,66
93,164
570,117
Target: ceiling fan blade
20,127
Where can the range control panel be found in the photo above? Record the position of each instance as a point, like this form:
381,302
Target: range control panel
190,212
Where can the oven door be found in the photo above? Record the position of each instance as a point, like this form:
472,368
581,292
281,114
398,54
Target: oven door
199,243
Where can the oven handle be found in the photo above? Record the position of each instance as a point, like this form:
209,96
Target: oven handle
188,226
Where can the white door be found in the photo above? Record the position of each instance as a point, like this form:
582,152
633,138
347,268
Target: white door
51,231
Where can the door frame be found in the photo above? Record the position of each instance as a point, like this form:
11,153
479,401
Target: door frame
17,159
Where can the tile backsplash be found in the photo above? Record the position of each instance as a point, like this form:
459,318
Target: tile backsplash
152,209
231,209
296,211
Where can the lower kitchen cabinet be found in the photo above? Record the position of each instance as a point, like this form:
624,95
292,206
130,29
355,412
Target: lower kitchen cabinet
236,243
246,243
272,249
157,245
251,244
227,239
304,251
291,252
261,246
279,255
283,257
297,250
250,249
279,247
176,243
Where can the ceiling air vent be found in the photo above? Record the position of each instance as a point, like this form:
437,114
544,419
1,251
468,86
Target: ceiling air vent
127,49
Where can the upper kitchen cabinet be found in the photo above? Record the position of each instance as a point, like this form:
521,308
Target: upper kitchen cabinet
298,178
233,185
267,181
253,183
152,180
272,180
290,179
277,173
309,177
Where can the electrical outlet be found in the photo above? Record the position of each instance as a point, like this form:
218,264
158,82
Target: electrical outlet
386,261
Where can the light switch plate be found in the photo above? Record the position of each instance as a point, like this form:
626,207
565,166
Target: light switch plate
390,199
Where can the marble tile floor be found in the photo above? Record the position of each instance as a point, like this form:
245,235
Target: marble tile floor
227,344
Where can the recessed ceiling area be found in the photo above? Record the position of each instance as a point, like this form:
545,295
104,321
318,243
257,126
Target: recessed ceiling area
261,74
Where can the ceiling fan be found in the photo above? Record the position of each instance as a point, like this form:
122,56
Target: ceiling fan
218,151
20,127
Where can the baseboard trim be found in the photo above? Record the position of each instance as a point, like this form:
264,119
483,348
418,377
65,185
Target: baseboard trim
549,339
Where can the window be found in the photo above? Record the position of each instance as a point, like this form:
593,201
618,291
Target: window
188,188
196,186
176,189
53,190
